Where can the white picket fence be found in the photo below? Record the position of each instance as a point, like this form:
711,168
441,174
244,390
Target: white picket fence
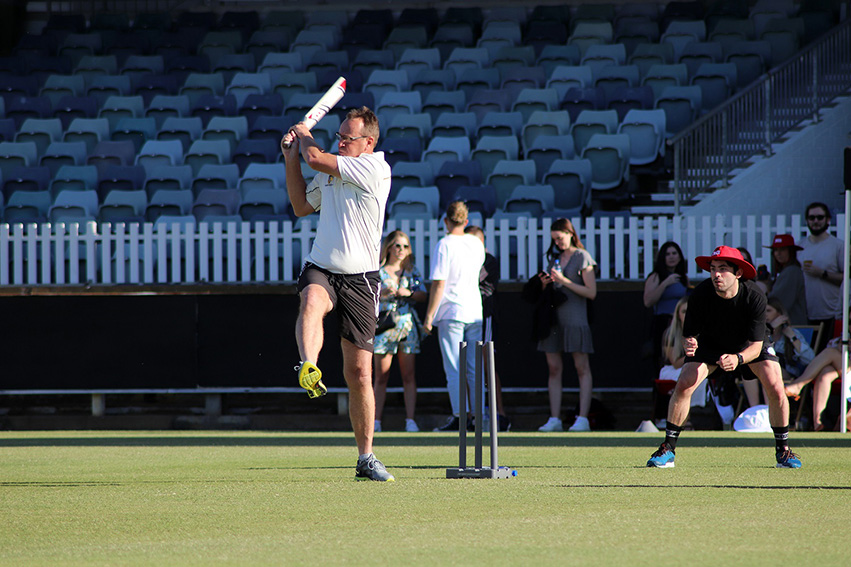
252,253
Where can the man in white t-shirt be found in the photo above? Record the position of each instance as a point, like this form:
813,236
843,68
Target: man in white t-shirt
350,192
823,265
455,303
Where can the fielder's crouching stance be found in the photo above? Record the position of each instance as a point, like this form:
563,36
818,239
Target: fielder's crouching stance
725,329
350,191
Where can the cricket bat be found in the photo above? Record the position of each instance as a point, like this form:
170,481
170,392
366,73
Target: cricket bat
328,101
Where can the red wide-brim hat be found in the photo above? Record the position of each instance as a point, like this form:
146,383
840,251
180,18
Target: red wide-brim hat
728,254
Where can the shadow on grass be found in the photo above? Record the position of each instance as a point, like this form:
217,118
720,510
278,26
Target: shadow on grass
337,439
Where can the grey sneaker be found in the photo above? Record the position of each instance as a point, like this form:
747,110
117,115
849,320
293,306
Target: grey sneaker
373,469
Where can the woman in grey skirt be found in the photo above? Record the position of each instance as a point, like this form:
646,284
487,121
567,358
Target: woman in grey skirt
570,270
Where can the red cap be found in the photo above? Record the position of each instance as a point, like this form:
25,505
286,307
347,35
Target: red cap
784,241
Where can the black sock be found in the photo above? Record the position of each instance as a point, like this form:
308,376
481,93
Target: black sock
672,433
781,437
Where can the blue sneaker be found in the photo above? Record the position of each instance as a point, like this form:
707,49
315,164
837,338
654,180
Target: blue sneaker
663,458
788,460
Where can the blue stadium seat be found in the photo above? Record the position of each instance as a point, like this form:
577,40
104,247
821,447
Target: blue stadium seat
255,151
609,155
491,149
646,131
186,129
26,178
167,177
160,152
58,154
534,200
42,131
17,154
207,151
121,178
571,181
262,176
137,130
546,148
164,106
212,176
454,174
123,206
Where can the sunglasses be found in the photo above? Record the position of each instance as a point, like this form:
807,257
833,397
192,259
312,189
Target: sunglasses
401,246
816,217
347,139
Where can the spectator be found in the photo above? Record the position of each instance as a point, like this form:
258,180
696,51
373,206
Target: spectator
570,274
350,191
488,280
664,287
455,304
823,265
763,277
673,355
788,285
401,286
789,344
822,371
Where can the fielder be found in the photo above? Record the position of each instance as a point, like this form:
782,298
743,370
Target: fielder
350,191
724,330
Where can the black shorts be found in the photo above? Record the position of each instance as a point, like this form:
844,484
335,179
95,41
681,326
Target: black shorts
711,358
354,297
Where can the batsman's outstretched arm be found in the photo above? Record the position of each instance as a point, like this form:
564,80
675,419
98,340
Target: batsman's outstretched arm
296,185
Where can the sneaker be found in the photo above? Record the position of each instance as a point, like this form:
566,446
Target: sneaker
310,378
581,424
503,423
663,458
411,426
552,424
788,460
451,424
377,428
372,469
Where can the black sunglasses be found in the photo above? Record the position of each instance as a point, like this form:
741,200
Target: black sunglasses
816,217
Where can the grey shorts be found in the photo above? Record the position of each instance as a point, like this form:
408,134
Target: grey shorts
355,299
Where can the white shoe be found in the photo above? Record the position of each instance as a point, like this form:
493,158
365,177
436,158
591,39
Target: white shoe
411,426
581,424
552,424
377,426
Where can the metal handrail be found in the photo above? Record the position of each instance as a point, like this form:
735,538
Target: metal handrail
752,120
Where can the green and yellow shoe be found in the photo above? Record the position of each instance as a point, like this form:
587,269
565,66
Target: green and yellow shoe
310,378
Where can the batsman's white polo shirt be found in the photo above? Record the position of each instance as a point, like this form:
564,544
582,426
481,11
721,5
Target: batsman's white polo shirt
351,214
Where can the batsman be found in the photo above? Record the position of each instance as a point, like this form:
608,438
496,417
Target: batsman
340,273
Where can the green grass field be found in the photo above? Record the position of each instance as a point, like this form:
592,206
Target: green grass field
260,498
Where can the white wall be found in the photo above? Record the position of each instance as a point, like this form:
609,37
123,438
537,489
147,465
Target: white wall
805,168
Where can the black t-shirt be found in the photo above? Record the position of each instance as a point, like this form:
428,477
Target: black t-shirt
488,280
725,326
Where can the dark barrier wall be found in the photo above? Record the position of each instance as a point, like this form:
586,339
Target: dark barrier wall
247,339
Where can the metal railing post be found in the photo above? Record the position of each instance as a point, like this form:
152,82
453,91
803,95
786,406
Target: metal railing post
767,92
725,149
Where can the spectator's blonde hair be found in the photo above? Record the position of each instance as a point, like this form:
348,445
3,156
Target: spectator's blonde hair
673,338
457,212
